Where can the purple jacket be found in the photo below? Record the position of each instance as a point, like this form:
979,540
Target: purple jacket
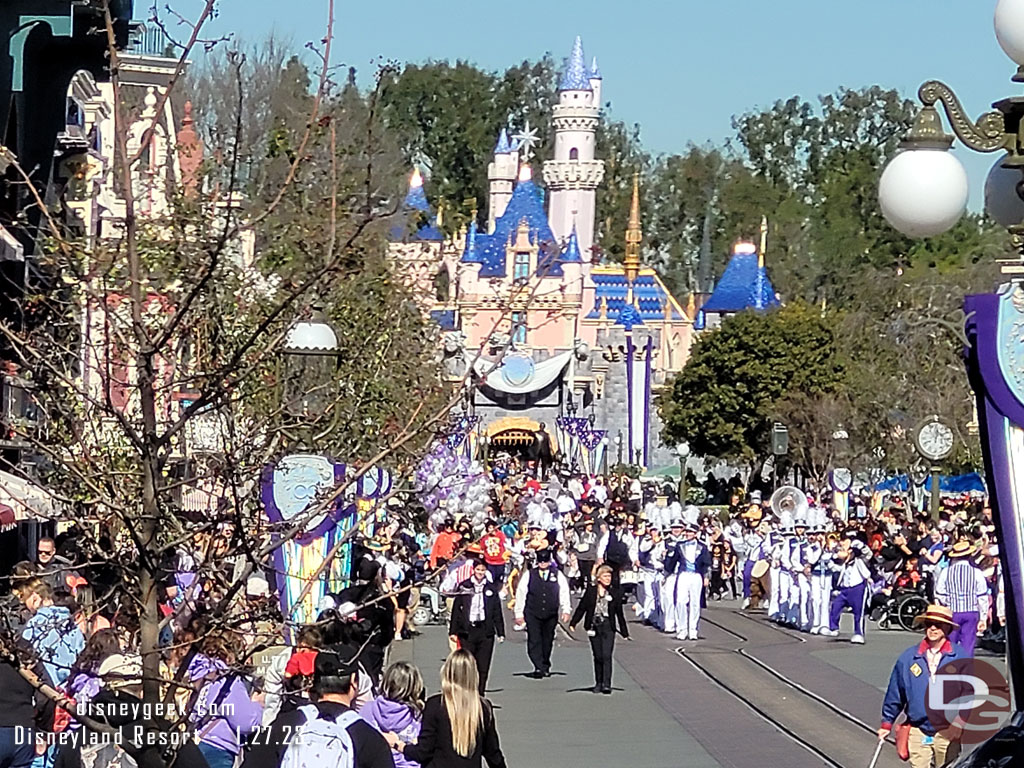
220,718
386,715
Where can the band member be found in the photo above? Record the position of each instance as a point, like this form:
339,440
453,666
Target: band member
652,564
852,592
821,573
779,541
668,585
477,618
601,610
801,557
584,546
690,561
753,541
542,596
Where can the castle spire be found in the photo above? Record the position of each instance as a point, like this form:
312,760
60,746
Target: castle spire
503,146
577,75
634,236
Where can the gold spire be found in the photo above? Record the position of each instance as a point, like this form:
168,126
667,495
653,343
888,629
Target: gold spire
633,234
764,241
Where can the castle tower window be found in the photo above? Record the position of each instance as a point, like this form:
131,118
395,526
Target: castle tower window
518,328
574,154
521,267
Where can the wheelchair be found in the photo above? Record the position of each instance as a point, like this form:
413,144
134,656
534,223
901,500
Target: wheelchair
901,608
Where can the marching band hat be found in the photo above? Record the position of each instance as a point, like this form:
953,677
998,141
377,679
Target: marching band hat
677,522
543,555
962,548
755,497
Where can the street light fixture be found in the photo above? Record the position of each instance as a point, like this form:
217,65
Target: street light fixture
683,452
923,190
309,365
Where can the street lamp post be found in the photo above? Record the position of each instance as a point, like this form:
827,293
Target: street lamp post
309,364
923,192
683,452
618,447
604,457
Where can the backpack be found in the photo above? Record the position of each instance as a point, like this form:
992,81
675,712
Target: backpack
320,742
617,551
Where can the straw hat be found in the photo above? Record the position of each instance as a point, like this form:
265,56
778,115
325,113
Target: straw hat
938,614
962,548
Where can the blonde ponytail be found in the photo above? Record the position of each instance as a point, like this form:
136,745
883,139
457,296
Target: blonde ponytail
460,682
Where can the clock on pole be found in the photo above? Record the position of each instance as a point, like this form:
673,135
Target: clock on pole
934,440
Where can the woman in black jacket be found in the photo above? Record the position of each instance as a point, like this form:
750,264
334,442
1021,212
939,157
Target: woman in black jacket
600,609
458,728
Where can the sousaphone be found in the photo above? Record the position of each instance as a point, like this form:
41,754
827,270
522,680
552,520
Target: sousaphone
791,501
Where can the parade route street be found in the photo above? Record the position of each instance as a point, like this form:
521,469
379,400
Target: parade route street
676,703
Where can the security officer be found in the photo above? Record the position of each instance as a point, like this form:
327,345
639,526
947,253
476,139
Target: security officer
542,597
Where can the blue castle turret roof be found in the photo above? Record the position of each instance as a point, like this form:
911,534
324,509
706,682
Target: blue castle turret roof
571,254
576,76
744,285
526,205
595,73
417,208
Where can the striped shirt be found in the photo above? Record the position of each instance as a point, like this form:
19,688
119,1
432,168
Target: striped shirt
962,588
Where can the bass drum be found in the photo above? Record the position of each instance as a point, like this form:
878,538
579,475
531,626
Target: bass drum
760,569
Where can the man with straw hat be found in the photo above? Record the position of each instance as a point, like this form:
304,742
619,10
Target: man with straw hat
907,693
963,588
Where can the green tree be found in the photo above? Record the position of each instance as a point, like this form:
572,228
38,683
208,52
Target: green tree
448,116
722,401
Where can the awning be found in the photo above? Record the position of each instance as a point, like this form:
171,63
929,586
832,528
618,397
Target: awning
25,498
519,375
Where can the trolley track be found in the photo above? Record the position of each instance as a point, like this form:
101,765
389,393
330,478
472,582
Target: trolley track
830,733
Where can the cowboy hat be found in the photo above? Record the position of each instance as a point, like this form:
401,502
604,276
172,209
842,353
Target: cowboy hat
938,614
962,548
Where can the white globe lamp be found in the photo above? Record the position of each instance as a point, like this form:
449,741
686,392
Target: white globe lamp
1002,200
1009,23
923,192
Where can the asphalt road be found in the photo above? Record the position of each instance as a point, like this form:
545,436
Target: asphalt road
727,700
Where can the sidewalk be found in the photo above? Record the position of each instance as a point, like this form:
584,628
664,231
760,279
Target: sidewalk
559,721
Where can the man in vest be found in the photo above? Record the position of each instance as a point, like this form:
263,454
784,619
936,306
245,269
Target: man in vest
690,561
963,588
618,548
542,598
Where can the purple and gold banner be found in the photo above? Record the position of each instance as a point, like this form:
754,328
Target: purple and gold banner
995,364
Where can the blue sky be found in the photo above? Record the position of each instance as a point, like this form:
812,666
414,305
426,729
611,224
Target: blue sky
680,68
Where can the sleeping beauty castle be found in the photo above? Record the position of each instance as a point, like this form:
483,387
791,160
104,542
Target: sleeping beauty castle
539,330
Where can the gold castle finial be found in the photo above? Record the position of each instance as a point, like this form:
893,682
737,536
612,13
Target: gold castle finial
634,236
764,241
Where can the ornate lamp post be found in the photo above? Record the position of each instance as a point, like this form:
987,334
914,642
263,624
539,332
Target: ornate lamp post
923,192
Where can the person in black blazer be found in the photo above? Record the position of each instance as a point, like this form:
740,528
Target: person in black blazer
477,619
600,609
